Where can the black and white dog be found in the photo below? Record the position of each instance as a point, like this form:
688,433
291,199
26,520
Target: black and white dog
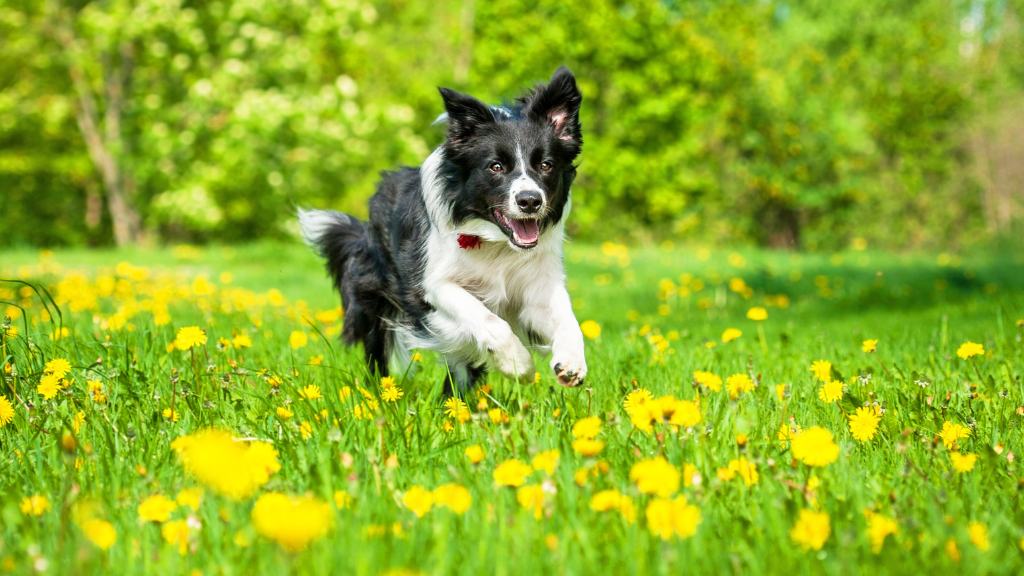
463,255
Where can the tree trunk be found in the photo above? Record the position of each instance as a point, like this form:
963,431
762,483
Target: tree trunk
105,146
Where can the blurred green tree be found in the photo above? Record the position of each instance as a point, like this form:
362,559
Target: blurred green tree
790,123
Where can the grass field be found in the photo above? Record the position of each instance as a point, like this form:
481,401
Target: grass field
751,465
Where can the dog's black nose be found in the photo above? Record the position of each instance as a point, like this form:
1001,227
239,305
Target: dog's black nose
529,201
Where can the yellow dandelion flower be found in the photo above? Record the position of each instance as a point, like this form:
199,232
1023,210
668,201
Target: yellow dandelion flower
643,415
35,505
869,345
6,411
418,500
291,521
546,461
59,367
48,387
708,380
497,416
305,430
511,473
284,413
172,415
830,391
822,370
685,414
725,474
298,339
963,463
232,468
951,433
586,428
864,423
605,500
738,384
636,399
672,517
531,497
757,314
453,497
176,533
457,410
814,447
587,446
475,453
156,508
613,500
95,389
811,530
879,528
100,532
730,334
189,337
591,330
655,476
310,392
391,393
969,350
978,533
241,340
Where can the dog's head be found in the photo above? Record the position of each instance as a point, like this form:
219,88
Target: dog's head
512,166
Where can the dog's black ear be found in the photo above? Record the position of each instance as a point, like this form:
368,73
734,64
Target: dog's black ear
558,104
466,115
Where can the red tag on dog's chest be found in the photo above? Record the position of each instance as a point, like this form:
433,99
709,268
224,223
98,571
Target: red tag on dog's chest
468,242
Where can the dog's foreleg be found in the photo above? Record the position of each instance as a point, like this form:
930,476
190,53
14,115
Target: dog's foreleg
459,318
552,317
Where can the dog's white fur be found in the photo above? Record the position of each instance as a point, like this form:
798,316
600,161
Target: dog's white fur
486,299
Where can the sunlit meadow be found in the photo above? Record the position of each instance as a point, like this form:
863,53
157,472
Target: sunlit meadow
191,410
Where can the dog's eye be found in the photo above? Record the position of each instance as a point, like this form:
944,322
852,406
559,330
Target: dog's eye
546,166
496,167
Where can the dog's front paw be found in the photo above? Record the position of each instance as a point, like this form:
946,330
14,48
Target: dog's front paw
569,367
512,358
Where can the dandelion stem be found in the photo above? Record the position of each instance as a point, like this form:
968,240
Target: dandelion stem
761,337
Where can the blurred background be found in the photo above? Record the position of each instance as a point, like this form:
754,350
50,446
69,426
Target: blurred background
801,124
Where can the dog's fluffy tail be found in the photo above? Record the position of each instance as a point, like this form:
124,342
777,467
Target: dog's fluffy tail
336,237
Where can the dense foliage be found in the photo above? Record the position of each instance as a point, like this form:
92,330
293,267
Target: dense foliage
801,123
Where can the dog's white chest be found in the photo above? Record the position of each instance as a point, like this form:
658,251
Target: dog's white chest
496,276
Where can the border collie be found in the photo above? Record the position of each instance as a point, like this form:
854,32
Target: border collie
463,255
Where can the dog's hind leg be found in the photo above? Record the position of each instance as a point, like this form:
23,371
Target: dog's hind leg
364,323
462,377
375,347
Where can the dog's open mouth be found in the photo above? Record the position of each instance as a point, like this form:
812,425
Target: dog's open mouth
525,231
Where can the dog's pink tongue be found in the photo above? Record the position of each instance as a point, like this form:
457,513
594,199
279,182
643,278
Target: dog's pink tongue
526,231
